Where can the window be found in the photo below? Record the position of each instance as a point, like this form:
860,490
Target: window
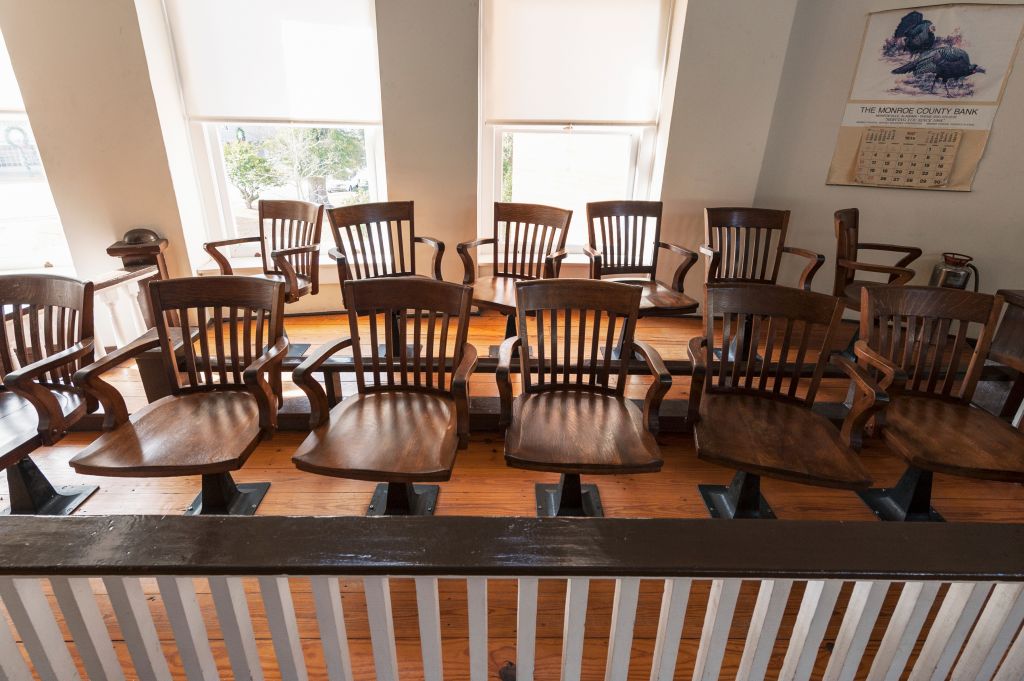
284,101
28,215
583,131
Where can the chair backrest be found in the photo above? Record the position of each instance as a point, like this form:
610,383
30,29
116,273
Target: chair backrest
847,237
409,342
569,331
524,235
749,242
234,319
627,234
924,330
42,315
291,224
377,239
769,334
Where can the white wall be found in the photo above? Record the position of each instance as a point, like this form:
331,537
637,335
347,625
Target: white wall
987,222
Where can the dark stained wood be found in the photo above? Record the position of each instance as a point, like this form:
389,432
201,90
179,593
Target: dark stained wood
747,244
289,243
848,262
625,239
528,242
379,240
412,411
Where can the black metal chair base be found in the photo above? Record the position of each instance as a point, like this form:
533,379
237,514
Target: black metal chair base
739,499
568,498
403,498
32,494
222,496
908,501
297,350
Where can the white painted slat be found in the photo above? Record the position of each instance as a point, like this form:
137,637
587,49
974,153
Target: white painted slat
284,630
577,594
992,634
34,620
429,612
179,597
136,622
956,616
382,627
858,622
77,601
330,616
674,598
12,664
526,628
715,634
236,627
1012,668
815,611
476,594
764,628
904,627
620,639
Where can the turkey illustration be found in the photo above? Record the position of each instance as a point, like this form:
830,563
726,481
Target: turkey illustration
944,64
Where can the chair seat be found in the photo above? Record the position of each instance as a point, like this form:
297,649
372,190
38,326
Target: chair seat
954,438
400,436
191,434
19,422
660,299
303,282
496,292
779,439
577,431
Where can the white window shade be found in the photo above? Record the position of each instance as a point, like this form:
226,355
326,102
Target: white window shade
595,61
303,60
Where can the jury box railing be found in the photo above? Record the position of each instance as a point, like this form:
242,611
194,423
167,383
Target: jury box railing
149,597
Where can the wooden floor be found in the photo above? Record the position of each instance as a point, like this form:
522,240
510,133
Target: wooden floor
483,485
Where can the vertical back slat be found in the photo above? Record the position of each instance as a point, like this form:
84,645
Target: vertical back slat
204,344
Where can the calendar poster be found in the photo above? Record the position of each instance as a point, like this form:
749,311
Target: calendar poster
927,87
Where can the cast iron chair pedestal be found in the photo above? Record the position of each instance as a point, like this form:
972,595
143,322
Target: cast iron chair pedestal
740,499
909,500
568,499
403,498
222,496
32,494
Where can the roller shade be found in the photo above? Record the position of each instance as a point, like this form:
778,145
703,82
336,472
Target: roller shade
574,60
302,60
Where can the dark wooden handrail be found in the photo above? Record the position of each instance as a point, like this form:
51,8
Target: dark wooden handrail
549,547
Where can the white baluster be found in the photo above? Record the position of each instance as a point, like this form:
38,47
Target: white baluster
429,613
1012,668
331,619
861,615
992,634
904,627
815,611
382,627
179,597
959,610
12,664
476,593
77,601
670,629
284,630
526,628
620,640
32,617
236,626
577,593
715,634
772,597
136,622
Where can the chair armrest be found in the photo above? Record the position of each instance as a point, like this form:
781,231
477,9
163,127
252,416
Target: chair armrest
52,425
714,259
438,247
596,261
280,258
460,391
689,260
115,413
505,352
697,349
258,385
212,247
897,275
553,263
816,261
869,399
302,376
661,384
894,377
344,274
912,252
467,260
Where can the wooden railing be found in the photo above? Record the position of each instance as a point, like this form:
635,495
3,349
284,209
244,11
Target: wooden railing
722,599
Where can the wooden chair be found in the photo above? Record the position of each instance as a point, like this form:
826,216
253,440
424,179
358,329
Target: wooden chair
222,403
45,334
745,245
848,263
528,243
753,412
412,410
289,242
625,239
572,416
916,337
1008,350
